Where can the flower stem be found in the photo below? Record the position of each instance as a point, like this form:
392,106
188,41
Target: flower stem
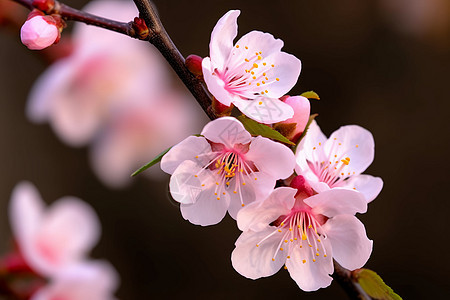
352,288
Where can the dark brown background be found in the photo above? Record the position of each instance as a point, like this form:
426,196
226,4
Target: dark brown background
366,72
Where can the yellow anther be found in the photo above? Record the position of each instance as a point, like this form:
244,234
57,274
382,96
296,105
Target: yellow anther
246,47
320,144
342,174
253,73
263,82
290,229
223,193
257,245
195,175
295,239
260,103
262,93
243,183
310,226
324,255
310,246
260,52
218,198
237,46
273,259
246,60
264,74
196,156
304,261
273,66
242,204
227,183
256,178
339,144
215,194
285,241
281,249
345,162
259,57
277,79
279,230
318,240
288,257
347,158
285,267
217,183
314,148
254,77
203,184
234,192
291,240
314,260
317,254
249,83
264,64
357,146
304,237
255,65
266,91
258,84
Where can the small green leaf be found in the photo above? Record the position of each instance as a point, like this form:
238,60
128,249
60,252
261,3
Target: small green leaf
256,128
311,95
311,118
374,286
153,162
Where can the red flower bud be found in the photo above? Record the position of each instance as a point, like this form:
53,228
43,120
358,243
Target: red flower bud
194,64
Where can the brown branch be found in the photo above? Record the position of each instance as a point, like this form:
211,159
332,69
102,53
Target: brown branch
161,40
352,288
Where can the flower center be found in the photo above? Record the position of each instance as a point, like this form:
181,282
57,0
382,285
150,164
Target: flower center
301,230
334,170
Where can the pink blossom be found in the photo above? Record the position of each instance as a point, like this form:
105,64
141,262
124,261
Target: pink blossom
39,32
304,232
302,108
91,280
55,242
339,160
252,74
224,169
78,94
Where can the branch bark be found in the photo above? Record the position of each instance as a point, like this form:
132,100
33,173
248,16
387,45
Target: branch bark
352,288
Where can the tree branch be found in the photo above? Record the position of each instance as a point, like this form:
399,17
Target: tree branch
161,40
352,288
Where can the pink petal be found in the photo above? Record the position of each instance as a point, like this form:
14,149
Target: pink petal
308,274
258,215
310,149
253,190
254,262
337,201
281,77
207,210
265,110
356,143
227,131
193,148
216,85
271,157
95,280
368,185
37,33
347,235
68,231
222,38
26,211
301,107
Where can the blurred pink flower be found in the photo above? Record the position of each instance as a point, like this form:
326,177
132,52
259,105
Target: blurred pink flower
138,133
303,231
91,280
39,32
253,74
77,94
339,160
223,170
55,241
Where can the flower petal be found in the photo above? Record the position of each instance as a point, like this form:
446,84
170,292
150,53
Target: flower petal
347,235
257,41
271,157
368,185
337,201
254,261
310,149
265,110
26,211
354,142
207,210
193,148
282,70
222,38
69,230
308,274
227,131
95,280
257,187
257,215
216,85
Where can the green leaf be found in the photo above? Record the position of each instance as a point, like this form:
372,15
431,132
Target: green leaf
256,128
153,162
311,95
311,118
374,286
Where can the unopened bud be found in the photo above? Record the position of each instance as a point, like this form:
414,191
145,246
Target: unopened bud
302,186
39,32
44,5
293,128
221,110
140,28
194,64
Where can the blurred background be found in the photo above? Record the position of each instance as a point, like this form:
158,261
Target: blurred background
381,64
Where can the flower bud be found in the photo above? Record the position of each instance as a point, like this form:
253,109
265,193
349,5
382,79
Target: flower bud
44,5
292,128
140,28
39,32
194,64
